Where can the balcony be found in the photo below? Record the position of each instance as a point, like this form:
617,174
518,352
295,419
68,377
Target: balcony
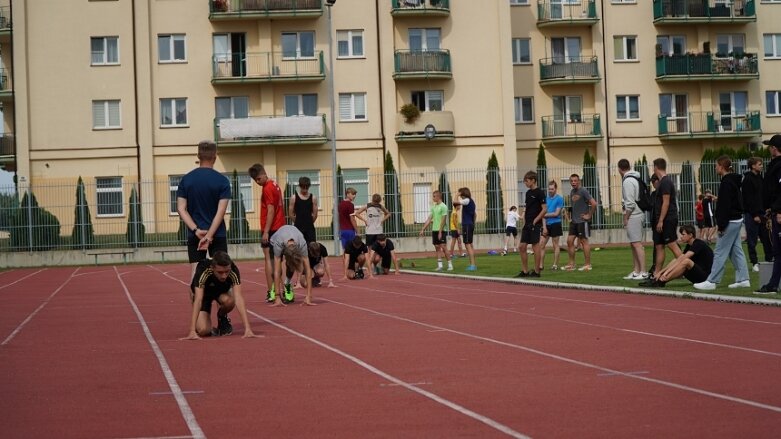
414,64
270,130
706,67
704,11
420,8
574,127
5,24
442,121
222,10
6,90
566,13
572,70
709,125
7,148
242,68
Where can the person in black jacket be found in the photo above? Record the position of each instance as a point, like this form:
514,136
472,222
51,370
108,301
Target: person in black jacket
729,221
771,197
754,213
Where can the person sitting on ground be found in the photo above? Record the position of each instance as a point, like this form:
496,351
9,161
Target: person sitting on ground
289,243
356,253
384,253
694,263
216,280
319,264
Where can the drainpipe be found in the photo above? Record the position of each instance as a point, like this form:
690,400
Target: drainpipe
607,98
135,99
379,81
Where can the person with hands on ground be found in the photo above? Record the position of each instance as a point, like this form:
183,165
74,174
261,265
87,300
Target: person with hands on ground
216,280
383,253
317,261
438,221
694,263
356,252
288,243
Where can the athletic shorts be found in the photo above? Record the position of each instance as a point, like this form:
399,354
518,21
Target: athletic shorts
634,228
530,233
346,237
468,233
209,296
554,230
309,233
386,262
708,222
581,230
195,255
435,238
700,223
668,235
268,244
454,234
696,274
370,240
510,231
353,259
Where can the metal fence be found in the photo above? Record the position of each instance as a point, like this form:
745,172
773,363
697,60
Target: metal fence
119,213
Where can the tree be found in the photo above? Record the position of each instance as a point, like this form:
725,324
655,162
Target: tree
590,181
286,201
542,168
394,226
641,166
83,234
136,231
493,191
238,231
444,187
181,234
687,195
33,227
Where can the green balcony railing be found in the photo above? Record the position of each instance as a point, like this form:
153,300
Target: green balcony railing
267,130
5,85
420,7
710,124
704,10
224,9
573,126
566,11
706,64
267,66
584,68
7,144
5,18
415,63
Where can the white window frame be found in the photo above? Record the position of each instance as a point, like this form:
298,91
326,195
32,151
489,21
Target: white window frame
172,102
730,43
518,105
777,110
106,114
232,100
624,45
298,45
516,47
172,188
300,98
671,39
623,2
99,190
348,182
428,96
519,2
353,117
172,38
104,51
424,31
245,188
627,116
775,43
350,34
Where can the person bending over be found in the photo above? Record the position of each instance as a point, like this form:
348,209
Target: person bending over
319,264
694,263
356,252
383,254
288,243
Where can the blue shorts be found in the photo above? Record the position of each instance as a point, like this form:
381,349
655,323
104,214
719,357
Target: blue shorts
346,236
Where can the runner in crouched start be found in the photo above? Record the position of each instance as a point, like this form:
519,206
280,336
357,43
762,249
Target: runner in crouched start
320,268
384,253
288,242
216,280
356,252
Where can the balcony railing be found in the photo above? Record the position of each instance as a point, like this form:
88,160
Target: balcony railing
413,131
566,12
704,11
267,66
569,70
5,84
710,124
706,66
420,7
572,127
5,18
422,64
243,9
7,145
270,130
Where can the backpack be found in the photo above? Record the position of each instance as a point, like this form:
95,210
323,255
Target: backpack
644,199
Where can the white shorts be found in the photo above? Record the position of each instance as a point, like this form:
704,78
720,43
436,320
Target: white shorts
634,228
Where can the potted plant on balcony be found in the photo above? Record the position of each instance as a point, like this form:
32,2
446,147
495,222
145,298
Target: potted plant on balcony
220,5
410,112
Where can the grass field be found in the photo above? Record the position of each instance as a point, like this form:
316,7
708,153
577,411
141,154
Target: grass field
610,266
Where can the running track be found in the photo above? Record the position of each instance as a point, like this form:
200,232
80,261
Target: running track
93,352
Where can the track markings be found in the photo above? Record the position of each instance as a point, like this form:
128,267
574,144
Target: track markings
22,278
422,383
184,392
611,374
159,437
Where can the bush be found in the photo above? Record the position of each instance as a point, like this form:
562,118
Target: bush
410,112
238,232
83,234
31,221
493,191
542,169
394,226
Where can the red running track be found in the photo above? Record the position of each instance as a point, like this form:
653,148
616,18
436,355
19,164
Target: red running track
94,353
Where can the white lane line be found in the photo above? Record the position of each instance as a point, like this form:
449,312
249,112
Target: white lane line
590,302
181,400
413,388
21,279
185,392
159,437
569,360
422,383
37,310
639,372
577,322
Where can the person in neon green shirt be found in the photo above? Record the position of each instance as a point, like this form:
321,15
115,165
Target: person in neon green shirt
438,221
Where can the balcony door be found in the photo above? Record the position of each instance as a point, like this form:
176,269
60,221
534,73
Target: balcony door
565,49
430,100
675,108
566,110
732,106
423,40
557,8
230,58
671,45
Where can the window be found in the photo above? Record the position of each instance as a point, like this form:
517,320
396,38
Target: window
105,50
730,43
173,186
314,177
352,106
522,51
171,48
565,50
301,105
627,107
109,194
772,45
421,40
623,1
298,44
357,179
519,2
349,43
428,100
105,115
173,112
524,110
671,45
245,189
773,102
233,107
625,48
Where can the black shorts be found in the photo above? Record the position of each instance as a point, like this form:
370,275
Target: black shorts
696,274
209,296
530,234
700,223
708,222
385,262
308,232
195,255
468,233
581,230
668,235
510,231
435,238
454,234
268,244
554,230
353,259
370,240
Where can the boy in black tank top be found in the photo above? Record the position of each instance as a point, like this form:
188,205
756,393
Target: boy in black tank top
303,210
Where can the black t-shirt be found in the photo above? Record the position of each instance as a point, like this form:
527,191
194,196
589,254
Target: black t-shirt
666,187
323,254
535,198
703,255
355,252
384,252
205,278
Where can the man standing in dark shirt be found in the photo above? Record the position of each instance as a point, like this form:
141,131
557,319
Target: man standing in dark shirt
665,217
384,254
754,213
771,196
532,225
694,263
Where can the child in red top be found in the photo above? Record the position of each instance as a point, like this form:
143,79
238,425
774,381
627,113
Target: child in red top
272,217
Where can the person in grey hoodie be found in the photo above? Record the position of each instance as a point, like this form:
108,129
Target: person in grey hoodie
729,221
633,218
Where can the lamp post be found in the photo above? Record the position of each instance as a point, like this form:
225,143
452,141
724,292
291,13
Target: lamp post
329,4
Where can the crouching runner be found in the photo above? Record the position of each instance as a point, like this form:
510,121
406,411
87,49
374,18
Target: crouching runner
289,243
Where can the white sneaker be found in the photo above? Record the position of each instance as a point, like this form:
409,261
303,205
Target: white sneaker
438,269
641,276
744,284
756,268
631,276
705,286
450,267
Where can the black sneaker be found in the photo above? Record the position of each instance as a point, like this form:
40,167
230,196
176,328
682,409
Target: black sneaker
648,282
522,274
359,273
224,325
534,274
657,284
766,290
316,282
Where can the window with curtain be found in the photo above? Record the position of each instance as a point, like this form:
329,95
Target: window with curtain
231,107
105,50
349,43
298,44
522,51
301,105
106,114
173,112
627,107
352,107
171,48
524,109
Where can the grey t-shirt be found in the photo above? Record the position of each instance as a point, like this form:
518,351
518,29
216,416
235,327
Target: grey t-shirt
374,219
283,235
580,199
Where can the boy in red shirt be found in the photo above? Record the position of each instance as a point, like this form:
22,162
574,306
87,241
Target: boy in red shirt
347,223
272,217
